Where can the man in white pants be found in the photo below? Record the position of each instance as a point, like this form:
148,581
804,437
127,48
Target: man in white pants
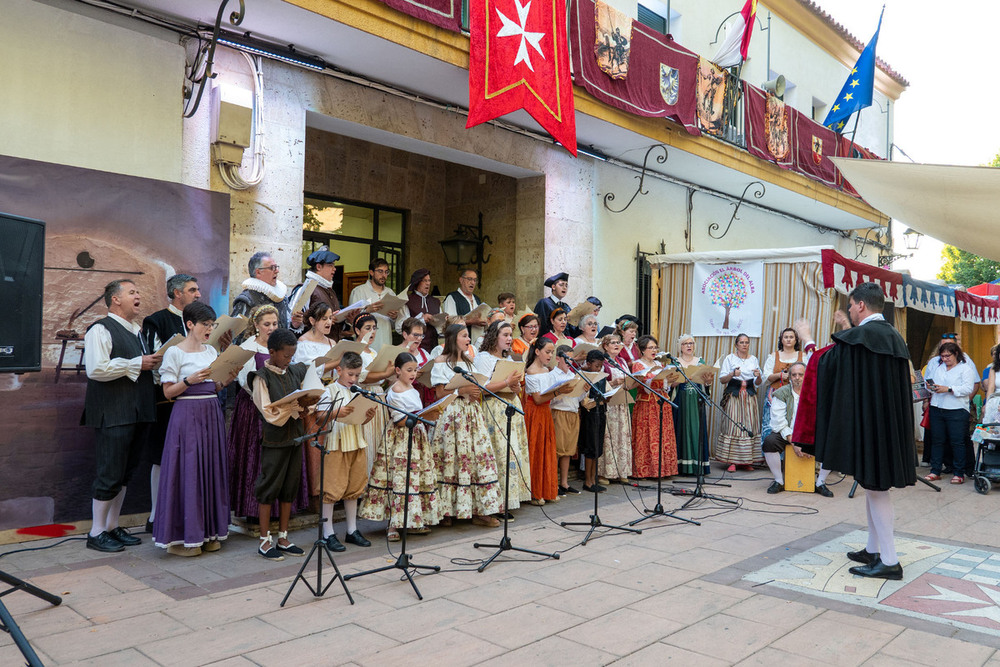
856,407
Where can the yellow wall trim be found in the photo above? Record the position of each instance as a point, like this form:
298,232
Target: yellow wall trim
379,20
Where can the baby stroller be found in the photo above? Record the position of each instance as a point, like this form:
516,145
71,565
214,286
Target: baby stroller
987,472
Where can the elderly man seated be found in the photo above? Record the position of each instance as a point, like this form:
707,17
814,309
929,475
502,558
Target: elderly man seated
784,404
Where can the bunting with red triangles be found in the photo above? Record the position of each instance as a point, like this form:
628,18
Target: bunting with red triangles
519,59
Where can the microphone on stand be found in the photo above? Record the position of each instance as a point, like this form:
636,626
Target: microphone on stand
358,390
461,371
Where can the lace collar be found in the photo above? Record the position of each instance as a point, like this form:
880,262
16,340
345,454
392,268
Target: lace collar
273,292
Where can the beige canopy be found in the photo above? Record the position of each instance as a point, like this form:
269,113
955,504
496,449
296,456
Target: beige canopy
956,205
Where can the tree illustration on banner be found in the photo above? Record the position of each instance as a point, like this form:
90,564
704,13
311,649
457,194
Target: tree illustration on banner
727,289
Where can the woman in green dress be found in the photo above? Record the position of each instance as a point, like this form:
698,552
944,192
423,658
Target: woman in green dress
690,423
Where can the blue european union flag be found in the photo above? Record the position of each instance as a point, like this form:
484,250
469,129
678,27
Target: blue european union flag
857,91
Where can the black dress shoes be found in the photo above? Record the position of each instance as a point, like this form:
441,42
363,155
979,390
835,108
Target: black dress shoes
863,556
104,542
822,490
124,537
776,487
357,538
333,544
879,570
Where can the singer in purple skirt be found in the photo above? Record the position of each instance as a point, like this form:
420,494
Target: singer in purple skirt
192,507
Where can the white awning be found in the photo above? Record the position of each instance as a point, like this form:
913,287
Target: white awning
767,255
956,205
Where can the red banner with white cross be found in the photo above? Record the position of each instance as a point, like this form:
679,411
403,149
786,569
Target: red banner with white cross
518,59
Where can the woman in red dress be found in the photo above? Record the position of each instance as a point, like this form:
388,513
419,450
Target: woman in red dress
648,436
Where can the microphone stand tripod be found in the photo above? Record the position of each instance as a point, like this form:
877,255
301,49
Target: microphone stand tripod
658,510
505,543
7,623
403,561
320,543
595,519
699,483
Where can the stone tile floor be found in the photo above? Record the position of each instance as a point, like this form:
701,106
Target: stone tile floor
752,585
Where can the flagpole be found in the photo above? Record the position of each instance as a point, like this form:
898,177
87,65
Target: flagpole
854,133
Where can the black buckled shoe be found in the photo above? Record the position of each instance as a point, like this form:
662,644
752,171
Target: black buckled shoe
333,544
822,490
776,487
879,570
104,542
357,538
124,537
863,556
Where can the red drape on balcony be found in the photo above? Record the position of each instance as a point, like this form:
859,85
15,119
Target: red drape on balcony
662,75
445,14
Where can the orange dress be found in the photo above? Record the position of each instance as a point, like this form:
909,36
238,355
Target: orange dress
541,440
519,347
646,436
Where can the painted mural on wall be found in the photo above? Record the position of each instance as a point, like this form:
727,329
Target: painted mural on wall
99,226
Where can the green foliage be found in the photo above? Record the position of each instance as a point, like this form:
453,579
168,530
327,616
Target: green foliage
964,268
310,222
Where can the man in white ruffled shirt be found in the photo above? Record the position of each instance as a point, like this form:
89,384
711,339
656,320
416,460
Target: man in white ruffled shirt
263,287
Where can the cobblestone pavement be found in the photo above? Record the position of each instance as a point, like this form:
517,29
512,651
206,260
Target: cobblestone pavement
761,583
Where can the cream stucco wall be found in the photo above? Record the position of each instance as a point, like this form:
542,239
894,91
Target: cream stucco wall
661,215
87,93
559,221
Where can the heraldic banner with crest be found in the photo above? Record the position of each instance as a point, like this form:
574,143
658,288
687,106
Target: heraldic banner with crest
727,299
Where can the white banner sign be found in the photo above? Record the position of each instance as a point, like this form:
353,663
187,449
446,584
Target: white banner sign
727,299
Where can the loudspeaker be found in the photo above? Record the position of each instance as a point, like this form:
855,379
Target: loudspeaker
21,256
776,86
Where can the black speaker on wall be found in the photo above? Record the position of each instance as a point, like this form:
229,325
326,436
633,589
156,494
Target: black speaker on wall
22,250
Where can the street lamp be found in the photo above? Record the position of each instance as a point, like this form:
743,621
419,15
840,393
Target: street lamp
911,238
466,246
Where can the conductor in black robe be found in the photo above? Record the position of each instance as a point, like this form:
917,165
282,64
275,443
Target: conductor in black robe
860,401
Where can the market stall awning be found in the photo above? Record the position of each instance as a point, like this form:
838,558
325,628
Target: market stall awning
956,205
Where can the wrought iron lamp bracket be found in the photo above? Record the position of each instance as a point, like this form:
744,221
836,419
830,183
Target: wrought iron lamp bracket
757,194
235,18
610,197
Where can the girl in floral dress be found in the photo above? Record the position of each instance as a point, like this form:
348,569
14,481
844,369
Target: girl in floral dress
496,346
616,462
387,490
466,466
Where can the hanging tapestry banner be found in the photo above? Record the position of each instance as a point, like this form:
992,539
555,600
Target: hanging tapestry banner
776,123
614,37
519,59
814,146
764,127
727,299
711,97
661,73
